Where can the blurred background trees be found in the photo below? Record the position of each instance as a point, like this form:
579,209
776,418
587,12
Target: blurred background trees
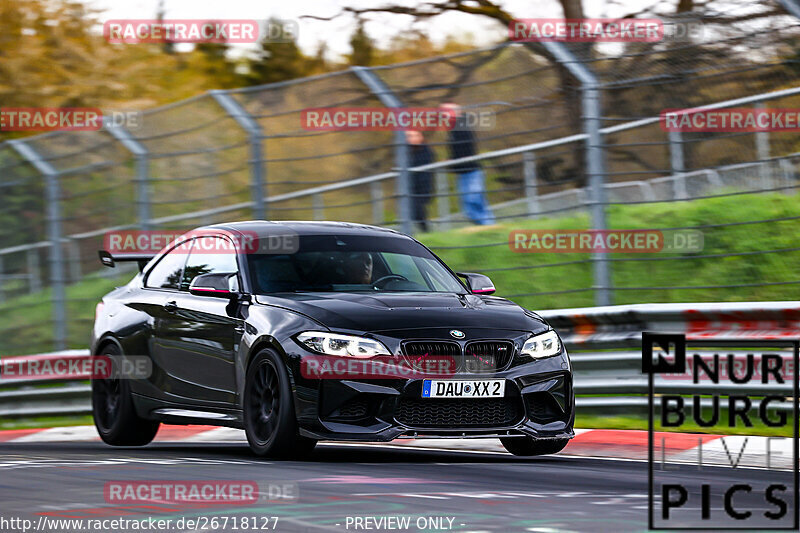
52,53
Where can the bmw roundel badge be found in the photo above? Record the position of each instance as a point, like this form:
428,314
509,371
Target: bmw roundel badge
456,334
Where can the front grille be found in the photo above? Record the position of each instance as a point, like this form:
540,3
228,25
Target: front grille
487,356
446,357
458,413
435,357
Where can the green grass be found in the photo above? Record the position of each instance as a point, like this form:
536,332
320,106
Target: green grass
590,421
46,422
26,321
533,275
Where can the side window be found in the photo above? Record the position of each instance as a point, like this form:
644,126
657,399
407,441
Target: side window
209,255
168,271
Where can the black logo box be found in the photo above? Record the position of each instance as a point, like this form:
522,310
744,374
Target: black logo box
677,364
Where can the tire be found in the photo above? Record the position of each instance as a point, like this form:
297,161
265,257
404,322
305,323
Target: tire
114,413
269,419
527,446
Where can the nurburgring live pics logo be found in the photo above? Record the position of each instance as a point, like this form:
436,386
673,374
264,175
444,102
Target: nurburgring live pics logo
697,502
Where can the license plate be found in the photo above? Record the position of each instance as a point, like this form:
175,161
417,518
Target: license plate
479,388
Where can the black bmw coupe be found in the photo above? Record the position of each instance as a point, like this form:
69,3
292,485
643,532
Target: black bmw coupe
298,332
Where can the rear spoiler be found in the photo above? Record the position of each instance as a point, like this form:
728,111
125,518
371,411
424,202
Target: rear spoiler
111,260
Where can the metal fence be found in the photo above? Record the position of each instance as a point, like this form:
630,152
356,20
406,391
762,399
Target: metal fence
576,131
605,348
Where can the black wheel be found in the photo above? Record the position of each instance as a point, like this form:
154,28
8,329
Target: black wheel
114,413
269,418
526,446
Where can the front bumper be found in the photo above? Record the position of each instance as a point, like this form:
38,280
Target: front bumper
538,403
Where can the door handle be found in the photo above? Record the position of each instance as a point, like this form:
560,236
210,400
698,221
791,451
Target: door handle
171,307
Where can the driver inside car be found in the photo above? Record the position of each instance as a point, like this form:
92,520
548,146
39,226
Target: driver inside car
358,268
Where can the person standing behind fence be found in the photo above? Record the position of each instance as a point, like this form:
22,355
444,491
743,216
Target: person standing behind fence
421,182
471,181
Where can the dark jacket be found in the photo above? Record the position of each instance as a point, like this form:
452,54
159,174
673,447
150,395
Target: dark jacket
462,144
421,182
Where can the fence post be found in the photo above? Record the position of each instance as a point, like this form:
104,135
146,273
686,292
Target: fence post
762,153
403,186
531,183
676,152
443,199
142,156
376,194
401,149
74,260
53,202
677,164
595,157
253,130
34,271
788,175
318,207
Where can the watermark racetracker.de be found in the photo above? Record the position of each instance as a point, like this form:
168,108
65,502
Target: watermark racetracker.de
74,366
605,241
606,30
395,119
231,31
66,119
120,243
197,492
734,119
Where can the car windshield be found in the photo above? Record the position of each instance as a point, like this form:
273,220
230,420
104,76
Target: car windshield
352,263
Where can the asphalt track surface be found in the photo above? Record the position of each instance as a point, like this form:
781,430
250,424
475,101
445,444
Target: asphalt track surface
479,491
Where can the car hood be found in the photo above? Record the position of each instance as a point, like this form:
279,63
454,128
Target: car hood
395,311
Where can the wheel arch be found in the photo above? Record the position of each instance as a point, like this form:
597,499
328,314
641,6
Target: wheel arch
104,341
263,342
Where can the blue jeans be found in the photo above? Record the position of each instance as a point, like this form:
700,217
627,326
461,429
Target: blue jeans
472,190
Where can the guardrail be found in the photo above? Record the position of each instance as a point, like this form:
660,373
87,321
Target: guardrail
605,381
620,326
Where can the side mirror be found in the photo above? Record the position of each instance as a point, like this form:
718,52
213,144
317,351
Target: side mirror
478,283
215,285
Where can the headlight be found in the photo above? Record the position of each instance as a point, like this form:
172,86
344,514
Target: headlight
342,345
545,345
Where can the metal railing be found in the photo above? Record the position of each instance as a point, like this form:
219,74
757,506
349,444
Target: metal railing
561,143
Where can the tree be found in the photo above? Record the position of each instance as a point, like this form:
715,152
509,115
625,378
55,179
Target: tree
363,48
277,61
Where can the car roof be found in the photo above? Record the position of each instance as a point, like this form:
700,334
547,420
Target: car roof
305,227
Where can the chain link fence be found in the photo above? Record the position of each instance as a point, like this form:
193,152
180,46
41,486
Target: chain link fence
241,154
